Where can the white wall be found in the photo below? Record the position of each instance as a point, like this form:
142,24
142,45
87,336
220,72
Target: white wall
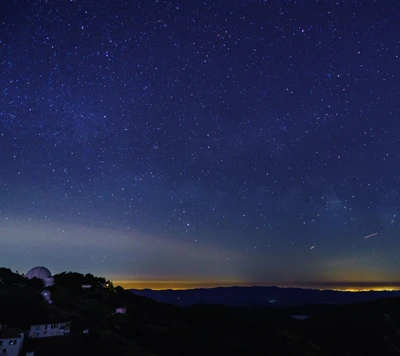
120,310
48,330
12,346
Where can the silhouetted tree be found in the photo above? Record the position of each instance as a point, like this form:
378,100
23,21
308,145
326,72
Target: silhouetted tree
22,306
8,278
35,283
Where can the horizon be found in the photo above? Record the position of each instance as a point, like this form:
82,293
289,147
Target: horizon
187,285
176,284
163,284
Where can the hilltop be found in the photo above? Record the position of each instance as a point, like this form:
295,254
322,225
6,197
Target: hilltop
148,327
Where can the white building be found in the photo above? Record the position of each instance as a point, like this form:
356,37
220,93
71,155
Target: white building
10,342
120,310
47,296
49,330
42,273
300,317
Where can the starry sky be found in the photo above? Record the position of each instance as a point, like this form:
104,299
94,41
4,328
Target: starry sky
201,142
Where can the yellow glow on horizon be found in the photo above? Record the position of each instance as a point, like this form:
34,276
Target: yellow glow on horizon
175,285
192,284
374,289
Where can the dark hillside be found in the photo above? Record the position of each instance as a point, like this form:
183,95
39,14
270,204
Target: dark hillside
152,328
361,329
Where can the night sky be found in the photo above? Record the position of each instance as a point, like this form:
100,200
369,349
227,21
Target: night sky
202,142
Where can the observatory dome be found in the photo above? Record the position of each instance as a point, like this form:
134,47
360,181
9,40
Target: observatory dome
42,273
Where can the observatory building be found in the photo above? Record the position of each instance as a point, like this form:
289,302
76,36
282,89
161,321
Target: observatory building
42,273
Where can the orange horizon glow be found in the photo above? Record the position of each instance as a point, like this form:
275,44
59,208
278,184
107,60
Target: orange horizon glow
175,285
182,285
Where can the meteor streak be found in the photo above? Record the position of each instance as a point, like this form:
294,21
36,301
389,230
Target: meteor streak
366,237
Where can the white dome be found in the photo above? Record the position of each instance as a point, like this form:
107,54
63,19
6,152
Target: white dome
42,273
38,272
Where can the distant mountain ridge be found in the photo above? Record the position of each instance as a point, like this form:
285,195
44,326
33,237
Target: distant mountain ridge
260,296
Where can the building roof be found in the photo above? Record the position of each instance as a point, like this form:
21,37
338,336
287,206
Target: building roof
53,321
38,272
10,333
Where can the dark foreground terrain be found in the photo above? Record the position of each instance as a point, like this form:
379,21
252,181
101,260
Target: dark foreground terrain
153,328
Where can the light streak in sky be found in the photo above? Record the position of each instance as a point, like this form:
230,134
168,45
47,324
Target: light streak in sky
366,237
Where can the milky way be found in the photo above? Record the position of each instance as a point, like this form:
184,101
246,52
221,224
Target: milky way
244,141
